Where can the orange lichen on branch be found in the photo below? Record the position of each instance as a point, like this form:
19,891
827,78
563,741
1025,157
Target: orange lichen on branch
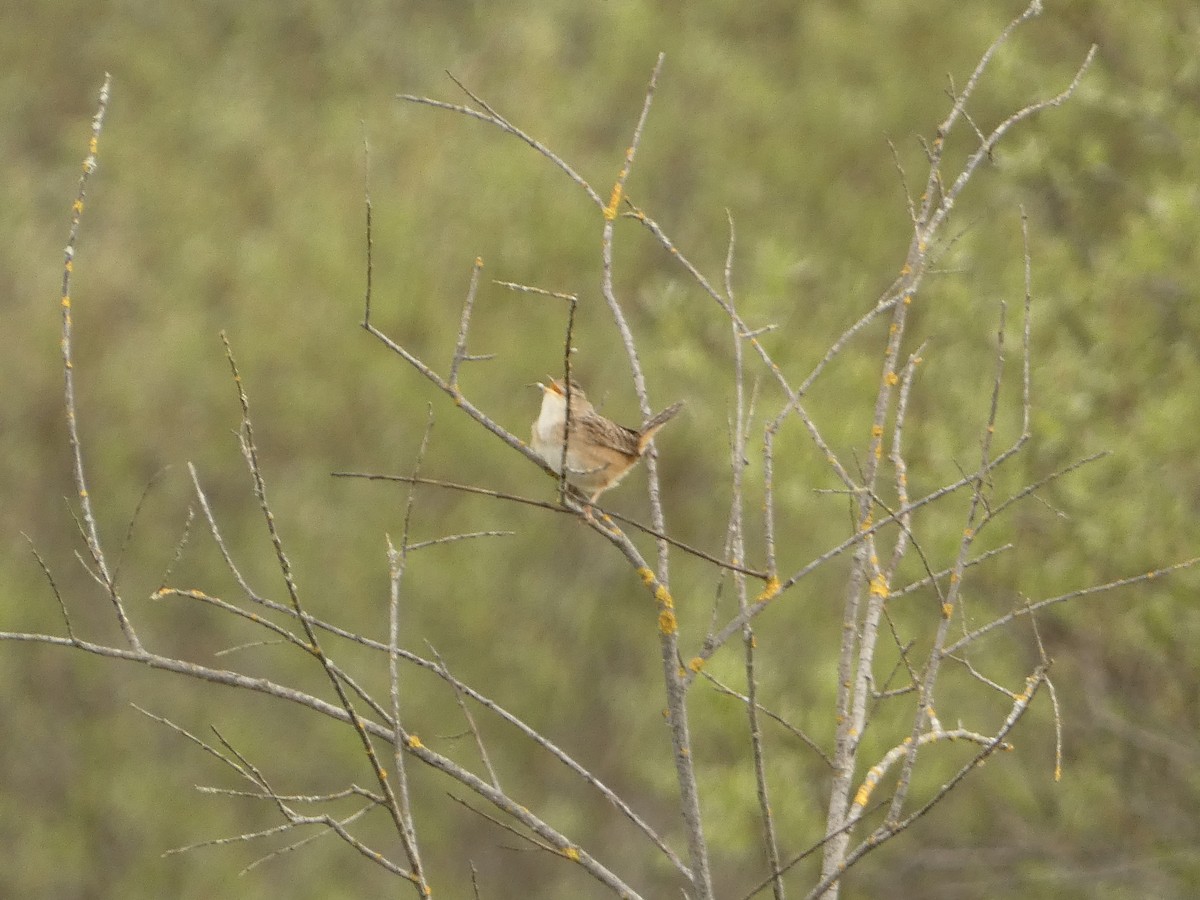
663,596
879,586
610,211
868,786
414,742
667,623
770,591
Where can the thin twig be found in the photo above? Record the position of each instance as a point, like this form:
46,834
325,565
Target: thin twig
542,504
90,529
460,344
397,562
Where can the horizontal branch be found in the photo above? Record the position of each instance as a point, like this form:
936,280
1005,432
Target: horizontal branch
413,746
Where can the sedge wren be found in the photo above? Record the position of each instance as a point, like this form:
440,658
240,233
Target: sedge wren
599,451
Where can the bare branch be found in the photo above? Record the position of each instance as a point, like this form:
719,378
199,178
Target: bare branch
90,529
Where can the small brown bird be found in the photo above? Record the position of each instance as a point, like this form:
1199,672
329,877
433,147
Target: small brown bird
599,451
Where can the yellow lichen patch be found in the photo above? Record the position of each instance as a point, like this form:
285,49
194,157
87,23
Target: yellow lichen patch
906,269
879,586
770,591
610,211
479,262
571,853
696,664
876,431
891,378
646,575
66,301
667,623
867,522
864,794
663,596
414,742
947,610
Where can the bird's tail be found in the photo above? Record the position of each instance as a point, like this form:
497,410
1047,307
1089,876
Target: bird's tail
646,435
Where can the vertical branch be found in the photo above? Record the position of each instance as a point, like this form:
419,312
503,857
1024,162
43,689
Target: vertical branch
1025,330
738,463
397,563
900,466
366,322
460,345
568,387
936,203
674,679
639,378
90,530
568,382
925,705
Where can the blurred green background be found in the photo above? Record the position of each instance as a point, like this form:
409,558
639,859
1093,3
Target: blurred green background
229,196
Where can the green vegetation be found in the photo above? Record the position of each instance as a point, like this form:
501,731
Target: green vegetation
229,196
